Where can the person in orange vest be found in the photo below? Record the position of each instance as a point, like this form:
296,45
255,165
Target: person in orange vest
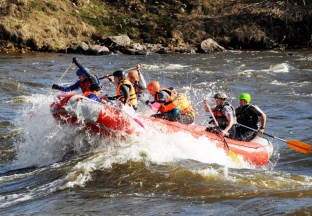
125,90
85,80
93,93
165,97
137,80
224,114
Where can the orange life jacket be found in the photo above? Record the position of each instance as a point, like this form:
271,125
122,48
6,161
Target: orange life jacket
169,104
133,99
87,93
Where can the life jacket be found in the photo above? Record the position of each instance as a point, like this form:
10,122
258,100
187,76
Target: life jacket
246,116
169,104
184,105
220,117
85,85
133,98
92,95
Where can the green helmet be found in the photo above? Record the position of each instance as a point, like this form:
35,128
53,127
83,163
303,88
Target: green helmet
246,97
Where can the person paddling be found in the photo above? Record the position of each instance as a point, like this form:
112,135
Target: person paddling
251,116
137,80
224,115
85,80
165,97
93,93
125,90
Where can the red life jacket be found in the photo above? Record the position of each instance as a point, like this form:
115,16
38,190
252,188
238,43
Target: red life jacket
220,117
85,85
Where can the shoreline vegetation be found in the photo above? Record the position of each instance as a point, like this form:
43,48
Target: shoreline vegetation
139,27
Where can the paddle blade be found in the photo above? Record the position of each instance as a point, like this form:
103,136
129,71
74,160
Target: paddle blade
234,156
299,146
139,122
155,107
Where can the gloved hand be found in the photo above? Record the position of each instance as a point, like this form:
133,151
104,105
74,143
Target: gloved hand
75,60
54,86
147,102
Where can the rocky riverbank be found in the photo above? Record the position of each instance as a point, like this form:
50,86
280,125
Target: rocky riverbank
141,26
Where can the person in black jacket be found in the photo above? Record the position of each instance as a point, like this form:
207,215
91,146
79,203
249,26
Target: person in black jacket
251,116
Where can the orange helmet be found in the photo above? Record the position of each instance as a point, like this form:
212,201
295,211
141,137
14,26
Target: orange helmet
153,86
134,75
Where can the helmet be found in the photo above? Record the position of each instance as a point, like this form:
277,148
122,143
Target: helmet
220,95
133,74
153,86
120,74
95,87
246,97
81,72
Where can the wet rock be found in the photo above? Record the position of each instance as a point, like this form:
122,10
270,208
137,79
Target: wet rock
81,47
114,42
209,46
98,50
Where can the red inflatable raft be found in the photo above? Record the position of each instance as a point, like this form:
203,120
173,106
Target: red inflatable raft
110,121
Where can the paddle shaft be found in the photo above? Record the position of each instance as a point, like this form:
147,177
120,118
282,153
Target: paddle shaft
215,121
269,135
67,69
103,77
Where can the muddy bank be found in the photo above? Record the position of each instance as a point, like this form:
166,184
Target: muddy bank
183,26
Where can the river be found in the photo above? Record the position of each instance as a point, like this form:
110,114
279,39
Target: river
47,168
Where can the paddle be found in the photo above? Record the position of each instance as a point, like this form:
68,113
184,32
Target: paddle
232,154
133,118
107,76
67,69
294,144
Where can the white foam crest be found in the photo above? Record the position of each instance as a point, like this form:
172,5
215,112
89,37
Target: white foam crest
153,147
175,66
278,83
279,68
164,67
149,67
42,139
296,84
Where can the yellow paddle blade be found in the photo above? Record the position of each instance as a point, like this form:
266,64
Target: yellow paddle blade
234,156
299,146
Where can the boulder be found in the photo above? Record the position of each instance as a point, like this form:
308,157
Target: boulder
209,46
98,50
114,42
